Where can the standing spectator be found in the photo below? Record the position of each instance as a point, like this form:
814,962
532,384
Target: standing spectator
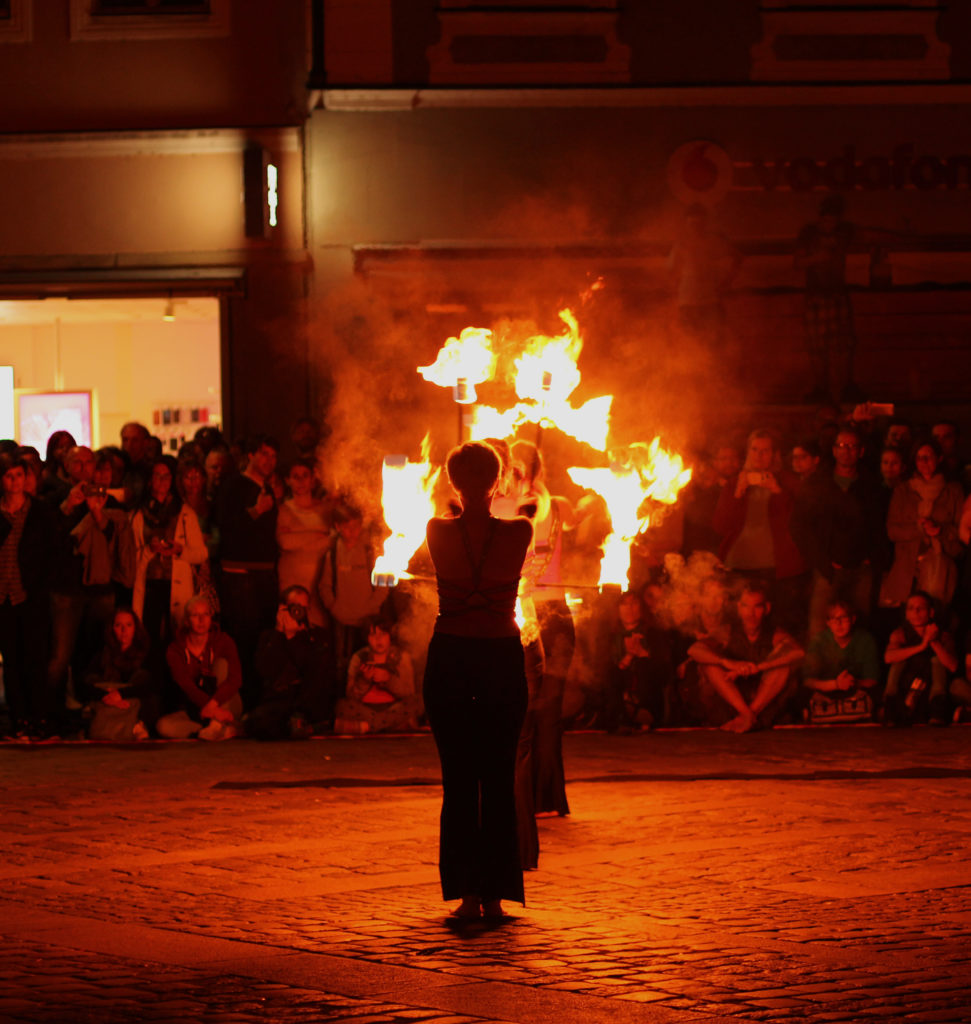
295,664
92,549
836,524
752,673
842,668
135,443
303,535
700,498
246,513
168,547
204,664
26,535
921,656
33,467
923,522
55,475
804,459
219,466
345,585
753,520
945,433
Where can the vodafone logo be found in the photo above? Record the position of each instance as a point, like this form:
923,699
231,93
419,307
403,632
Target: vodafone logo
699,172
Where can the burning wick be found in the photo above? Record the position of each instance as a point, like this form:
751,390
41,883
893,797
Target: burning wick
463,391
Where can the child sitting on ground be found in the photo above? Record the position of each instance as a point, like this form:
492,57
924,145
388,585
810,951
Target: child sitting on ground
380,686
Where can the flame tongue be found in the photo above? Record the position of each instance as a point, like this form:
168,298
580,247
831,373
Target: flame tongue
407,502
546,376
462,363
649,474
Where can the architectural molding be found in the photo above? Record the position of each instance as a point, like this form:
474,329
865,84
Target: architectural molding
86,26
19,27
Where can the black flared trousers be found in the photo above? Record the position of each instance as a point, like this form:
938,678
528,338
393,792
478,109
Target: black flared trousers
475,697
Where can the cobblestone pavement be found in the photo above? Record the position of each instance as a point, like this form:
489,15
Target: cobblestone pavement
793,875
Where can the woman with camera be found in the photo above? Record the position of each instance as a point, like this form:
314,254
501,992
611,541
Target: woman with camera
168,543
295,667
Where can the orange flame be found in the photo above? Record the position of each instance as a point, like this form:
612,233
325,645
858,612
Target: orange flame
408,503
646,475
462,363
546,375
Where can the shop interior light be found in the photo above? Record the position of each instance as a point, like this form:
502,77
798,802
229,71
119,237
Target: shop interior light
6,402
169,315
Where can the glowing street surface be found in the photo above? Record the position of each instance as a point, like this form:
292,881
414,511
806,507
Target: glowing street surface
792,875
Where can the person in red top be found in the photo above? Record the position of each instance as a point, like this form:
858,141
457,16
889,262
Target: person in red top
205,665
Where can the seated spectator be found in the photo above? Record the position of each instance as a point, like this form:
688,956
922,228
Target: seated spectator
640,673
752,673
842,669
923,523
294,662
204,665
345,585
168,546
921,657
380,686
303,535
120,690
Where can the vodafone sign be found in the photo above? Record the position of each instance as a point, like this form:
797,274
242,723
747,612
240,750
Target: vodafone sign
702,172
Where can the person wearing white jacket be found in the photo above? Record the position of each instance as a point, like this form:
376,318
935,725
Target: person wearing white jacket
168,545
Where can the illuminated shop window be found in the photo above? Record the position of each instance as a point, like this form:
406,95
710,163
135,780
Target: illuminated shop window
148,19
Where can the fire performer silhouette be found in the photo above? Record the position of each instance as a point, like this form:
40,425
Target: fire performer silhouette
475,688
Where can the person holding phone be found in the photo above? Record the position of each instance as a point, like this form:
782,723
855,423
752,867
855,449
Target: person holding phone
168,543
752,518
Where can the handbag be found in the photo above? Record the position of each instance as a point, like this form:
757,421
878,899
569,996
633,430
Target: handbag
828,709
113,723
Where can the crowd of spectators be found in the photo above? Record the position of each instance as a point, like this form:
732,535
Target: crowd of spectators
820,579
213,593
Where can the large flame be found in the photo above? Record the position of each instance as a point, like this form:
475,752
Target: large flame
634,487
408,504
462,363
546,375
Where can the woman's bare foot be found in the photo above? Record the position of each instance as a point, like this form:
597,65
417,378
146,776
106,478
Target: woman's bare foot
741,723
467,910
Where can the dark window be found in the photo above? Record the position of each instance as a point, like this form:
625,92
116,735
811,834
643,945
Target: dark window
105,7
4,10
